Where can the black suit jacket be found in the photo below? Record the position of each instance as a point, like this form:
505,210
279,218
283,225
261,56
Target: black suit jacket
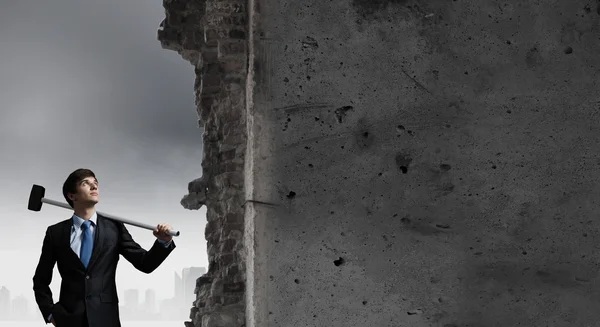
89,294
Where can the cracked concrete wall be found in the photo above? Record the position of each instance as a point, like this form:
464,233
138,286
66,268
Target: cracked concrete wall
432,163
395,162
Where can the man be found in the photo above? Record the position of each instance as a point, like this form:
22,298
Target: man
86,248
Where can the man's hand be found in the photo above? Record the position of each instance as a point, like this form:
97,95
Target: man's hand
52,321
161,232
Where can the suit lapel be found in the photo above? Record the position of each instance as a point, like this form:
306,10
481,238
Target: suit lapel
98,240
66,242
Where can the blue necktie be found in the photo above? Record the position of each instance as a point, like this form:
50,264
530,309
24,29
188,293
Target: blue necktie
87,243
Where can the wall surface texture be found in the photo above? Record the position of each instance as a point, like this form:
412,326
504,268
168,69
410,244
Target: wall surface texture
410,163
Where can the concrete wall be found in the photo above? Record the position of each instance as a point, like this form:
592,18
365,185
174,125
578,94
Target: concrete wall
423,163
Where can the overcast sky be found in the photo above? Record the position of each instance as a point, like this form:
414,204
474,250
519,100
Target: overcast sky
86,84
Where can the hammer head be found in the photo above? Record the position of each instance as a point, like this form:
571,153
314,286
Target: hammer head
35,198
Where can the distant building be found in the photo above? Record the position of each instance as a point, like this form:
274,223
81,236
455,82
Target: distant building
5,305
20,308
189,277
169,309
178,285
150,301
132,299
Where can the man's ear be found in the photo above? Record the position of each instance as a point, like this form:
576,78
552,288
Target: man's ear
71,196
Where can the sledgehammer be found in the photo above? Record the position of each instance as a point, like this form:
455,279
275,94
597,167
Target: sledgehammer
36,199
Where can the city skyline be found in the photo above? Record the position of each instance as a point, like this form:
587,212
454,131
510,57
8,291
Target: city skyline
134,305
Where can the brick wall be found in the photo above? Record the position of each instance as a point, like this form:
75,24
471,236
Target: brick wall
211,35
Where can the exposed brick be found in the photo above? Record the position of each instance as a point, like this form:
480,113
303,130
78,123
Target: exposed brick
236,234
229,48
232,271
234,287
232,299
175,6
211,37
232,166
232,218
226,156
228,245
237,34
211,34
210,54
234,65
203,281
230,7
233,226
211,89
212,80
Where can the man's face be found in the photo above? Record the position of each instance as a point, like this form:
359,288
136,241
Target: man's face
87,191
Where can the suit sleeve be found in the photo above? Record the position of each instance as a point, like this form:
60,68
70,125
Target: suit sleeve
43,277
142,260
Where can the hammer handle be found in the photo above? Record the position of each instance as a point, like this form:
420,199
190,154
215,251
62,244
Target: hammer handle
123,220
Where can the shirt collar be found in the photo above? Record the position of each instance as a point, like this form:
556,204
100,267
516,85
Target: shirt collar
78,221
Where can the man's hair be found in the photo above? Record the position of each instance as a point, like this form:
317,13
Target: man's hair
70,185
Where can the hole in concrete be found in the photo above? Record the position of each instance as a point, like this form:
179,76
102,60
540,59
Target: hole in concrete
340,113
568,50
402,162
339,261
297,281
415,312
445,167
291,195
364,302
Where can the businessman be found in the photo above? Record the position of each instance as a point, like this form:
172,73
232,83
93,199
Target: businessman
86,248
